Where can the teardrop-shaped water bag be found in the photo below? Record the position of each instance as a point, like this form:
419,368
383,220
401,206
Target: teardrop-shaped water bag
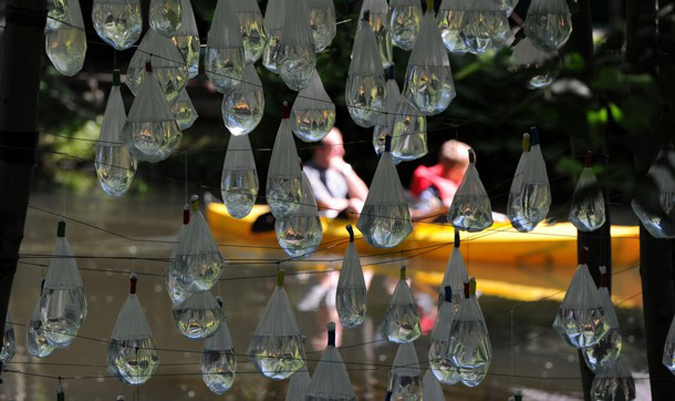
313,112
440,358
219,361
243,107
274,23
184,111
252,29
659,217
322,20
588,204
330,380
549,24
432,390
239,181
450,22
63,305
8,343
166,16
471,209
118,22
484,26
402,320
173,286
429,85
37,344
378,18
297,59
404,22
115,165
300,234
298,386
225,58
455,276
607,351
409,133
168,65
276,348
385,124
614,384
132,354
284,177
151,132
365,91
198,316
66,44
351,298
537,62
405,377
187,40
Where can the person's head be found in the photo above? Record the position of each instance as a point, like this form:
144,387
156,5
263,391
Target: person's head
329,147
454,157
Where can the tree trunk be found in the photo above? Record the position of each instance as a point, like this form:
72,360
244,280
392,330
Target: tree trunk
21,54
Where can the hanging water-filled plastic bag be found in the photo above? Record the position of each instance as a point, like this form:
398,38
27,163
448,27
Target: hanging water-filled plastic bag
219,361
582,321
239,181
173,287
322,20
385,219
659,217
166,16
526,56
252,30
588,204
402,320
431,388
365,89
284,177
385,125
404,22
378,12
187,39
66,44
313,112
8,343
530,195
225,58
450,22
115,165
57,11
63,305
330,380
37,344
298,386
276,347
297,60
274,23
243,107
484,26
405,377
429,85
351,297
409,133
471,209
198,316
198,263
151,131
440,358
118,22
615,384
548,24
132,354
469,342
455,276
300,233
168,65
606,352
184,111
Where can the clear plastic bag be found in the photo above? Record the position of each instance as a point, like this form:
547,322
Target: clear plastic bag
429,85
151,131
173,287
298,386
198,316
37,344
484,26
440,359
402,320
365,90
225,58
659,220
330,380
409,133
57,12
300,234
405,377
115,165
455,276
385,219
284,177
243,107
527,56
385,125
322,20
8,343
276,348
450,22
274,23
168,66
378,11
63,305
471,209
132,354
219,361
615,384
548,24
66,43
239,181
588,204
252,30
432,390
404,22
297,59
118,22
166,16
530,195
313,112
187,39
184,111
351,298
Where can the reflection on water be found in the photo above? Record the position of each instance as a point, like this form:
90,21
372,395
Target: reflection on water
366,355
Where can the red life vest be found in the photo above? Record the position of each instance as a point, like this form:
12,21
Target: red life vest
425,177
